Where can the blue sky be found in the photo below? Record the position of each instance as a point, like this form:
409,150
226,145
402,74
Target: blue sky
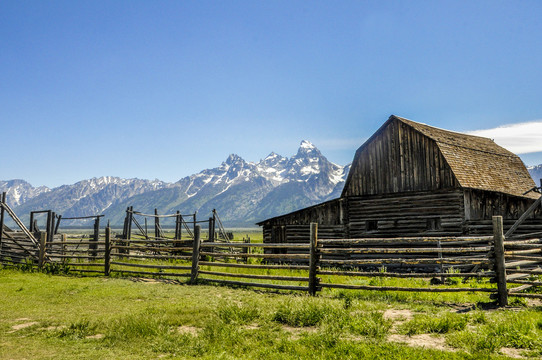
164,89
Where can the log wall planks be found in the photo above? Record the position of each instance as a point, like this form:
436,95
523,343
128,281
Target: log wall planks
399,159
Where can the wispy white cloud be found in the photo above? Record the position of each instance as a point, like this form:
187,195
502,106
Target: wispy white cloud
521,138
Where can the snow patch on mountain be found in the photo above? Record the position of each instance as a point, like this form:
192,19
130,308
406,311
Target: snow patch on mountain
238,188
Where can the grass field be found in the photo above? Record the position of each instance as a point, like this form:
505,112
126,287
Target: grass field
60,317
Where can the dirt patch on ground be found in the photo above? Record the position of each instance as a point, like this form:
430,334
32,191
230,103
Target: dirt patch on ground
97,336
422,340
297,331
252,327
398,314
22,326
55,328
513,353
185,329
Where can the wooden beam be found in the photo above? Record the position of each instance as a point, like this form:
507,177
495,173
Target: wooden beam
500,266
523,217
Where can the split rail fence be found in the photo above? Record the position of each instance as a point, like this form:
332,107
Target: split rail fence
310,267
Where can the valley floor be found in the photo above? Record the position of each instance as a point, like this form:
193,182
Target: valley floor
46,317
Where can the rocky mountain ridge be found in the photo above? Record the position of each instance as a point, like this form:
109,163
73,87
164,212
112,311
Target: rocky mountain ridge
242,192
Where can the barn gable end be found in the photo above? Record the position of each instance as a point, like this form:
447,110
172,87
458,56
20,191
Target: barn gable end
396,159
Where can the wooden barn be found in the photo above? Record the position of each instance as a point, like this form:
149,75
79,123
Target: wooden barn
411,179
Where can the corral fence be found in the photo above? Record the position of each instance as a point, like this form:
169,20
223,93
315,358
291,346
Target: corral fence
312,266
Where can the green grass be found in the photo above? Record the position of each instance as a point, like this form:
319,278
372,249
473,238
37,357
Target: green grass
68,317
113,318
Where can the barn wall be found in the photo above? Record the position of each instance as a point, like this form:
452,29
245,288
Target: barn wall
295,225
399,159
394,215
330,212
407,214
481,206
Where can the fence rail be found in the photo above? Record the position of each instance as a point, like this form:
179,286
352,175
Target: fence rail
312,266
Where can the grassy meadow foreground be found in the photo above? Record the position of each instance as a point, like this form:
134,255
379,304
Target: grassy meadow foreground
60,317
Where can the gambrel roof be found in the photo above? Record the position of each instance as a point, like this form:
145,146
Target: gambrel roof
476,162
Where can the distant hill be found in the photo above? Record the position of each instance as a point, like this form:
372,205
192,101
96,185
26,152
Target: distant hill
242,192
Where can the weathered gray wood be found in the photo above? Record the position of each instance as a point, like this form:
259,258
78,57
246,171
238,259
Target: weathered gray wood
195,255
518,289
253,266
178,225
526,282
95,237
19,223
153,266
264,256
450,261
536,271
488,274
260,285
261,245
532,296
107,254
87,264
500,266
2,200
153,248
251,276
159,274
314,259
437,251
518,264
164,257
522,218
524,257
157,232
406,240
394,288
42,247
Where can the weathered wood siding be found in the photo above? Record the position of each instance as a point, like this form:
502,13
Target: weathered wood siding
406,214
398,159
480,206
389,215
330,213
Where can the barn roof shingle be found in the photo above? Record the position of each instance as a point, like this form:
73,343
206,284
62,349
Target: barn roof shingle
478,162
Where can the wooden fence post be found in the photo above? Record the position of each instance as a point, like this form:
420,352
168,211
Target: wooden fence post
195,256
178,229
314,259
95,238
107,254
500,266
64,248
157,233
2,215
41,256
211,234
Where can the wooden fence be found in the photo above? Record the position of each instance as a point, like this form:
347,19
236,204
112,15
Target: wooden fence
311,266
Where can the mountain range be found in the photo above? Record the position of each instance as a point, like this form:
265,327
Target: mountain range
242,192
536,173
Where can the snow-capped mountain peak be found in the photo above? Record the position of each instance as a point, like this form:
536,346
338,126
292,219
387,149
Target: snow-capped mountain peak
305,144
240,190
